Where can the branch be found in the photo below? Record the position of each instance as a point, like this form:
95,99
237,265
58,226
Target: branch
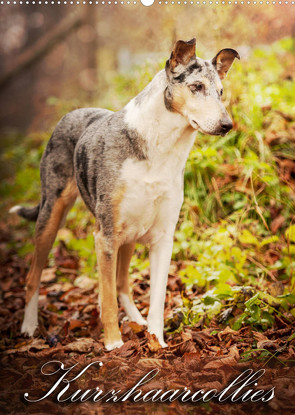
41,47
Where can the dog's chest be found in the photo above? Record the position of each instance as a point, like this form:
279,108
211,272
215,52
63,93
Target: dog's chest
151,195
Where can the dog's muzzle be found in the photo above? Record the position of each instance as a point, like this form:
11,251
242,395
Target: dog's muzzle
225,126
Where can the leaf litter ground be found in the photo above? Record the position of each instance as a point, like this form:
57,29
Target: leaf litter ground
70,331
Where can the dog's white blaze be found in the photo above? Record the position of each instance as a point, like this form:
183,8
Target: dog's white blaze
130,309
153,122
207,113
30,322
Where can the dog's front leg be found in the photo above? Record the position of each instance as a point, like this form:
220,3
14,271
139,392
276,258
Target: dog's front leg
160,257
106,253
125,296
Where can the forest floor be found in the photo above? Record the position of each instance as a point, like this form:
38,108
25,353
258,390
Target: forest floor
70,331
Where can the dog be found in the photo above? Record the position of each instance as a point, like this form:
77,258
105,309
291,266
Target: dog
128,167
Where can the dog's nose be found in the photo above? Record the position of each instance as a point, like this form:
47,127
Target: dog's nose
226,125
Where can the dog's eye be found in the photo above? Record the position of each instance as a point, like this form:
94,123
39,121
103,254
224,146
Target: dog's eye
221,92
196,88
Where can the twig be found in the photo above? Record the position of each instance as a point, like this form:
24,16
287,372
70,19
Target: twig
42,46
261,267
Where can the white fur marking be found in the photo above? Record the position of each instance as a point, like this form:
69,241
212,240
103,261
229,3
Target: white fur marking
160,256
30,322
112,346
15,209
130,309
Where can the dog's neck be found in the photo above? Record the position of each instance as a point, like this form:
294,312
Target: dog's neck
159,127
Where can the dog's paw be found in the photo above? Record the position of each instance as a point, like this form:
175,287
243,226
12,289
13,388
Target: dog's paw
163,344
114,345
139,320
131,310
159,336
28,328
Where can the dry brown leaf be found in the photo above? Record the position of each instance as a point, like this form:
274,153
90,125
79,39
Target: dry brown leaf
33,344
276,288
147,363
127,349
75,324
153,343
277,223
191,358
83,345
85,283
136,328
267,344
226,331
231,359
187,347
60,287
186,335
48,274
259,336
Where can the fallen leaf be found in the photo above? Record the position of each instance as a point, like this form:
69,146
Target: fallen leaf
268,344
277,223
226,331
48,274
83,345
186,335
153,343
34,344
136,328
259,336
147,363
74,324
85,283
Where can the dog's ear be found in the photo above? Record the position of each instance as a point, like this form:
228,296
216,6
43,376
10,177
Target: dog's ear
182,53
223,61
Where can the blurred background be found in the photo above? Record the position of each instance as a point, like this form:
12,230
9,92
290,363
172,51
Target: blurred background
72,53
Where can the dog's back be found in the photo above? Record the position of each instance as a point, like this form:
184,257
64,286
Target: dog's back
57,164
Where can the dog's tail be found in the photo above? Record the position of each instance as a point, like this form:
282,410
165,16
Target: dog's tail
27,213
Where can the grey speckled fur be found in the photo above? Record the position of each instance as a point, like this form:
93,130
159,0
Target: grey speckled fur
90,144
98,157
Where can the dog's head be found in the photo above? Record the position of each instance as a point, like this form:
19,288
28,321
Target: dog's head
194,87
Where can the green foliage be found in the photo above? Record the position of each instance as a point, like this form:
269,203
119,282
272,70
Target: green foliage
231,305
218,267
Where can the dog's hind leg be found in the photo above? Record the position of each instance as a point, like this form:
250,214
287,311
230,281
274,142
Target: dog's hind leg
49,220
125,296
106,252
